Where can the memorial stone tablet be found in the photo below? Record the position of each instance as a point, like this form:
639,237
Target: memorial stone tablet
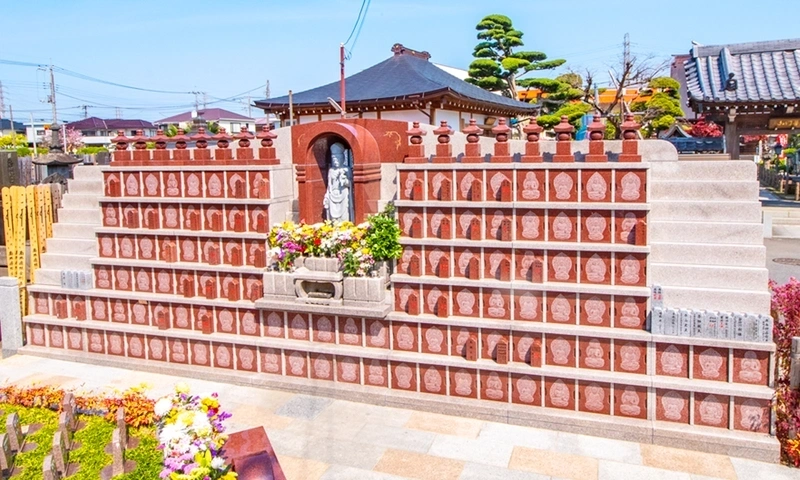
724,328
751,328
697,323
738,326
685,329
14,432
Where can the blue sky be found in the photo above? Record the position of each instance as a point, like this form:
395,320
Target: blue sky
227,48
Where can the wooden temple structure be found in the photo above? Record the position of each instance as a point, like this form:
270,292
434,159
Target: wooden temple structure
751,88
406,87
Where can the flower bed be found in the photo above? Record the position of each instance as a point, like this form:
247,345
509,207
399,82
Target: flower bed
357,247
786,311
39,405
191,434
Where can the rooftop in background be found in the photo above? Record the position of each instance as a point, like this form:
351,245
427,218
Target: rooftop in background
209,115
763,72
405,76
94,123
5,124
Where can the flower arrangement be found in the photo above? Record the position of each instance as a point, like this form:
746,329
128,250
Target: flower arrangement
786,311
356,246
191,435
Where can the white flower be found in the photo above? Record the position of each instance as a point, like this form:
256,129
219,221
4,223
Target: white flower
162,407
170,433
217,463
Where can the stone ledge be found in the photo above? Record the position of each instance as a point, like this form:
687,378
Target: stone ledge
525,244
527,166
170,167
193,200
181,233
727,442
345,310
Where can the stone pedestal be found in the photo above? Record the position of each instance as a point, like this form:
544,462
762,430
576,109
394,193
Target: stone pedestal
10,316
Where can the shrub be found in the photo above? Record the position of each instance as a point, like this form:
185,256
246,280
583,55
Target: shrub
383,236
786,312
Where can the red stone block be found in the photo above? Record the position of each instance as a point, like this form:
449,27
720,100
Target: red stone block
111,215
376,373
672,360
563,266
416,228
559,393
751,367
496,304
136,345
404,376
631,269
223,354
594,397
476,192
528,349
260,257
416,190
233,294
178,350
710,363
36,334
711,410
561,351
596,185
445,190
475,229
239,189
170,252
55,336
631,186
433,379
471,348
442,306
131,218
210,289
526,389
595,353
212,255
255,290
79,308
405,185
630,312
563,152
464,181
259,220
205,324
116,343
494,224
630,401
502,354
122,278
322,367
494,386
348,370
249,323
431,295
200,353
296,363
751,414
113,187
443,267
162,321
530,185
596,226
630,357
444,153
595,310
60,307
405,337
187,287
193,220
156,348
563,225
595,267
529,306
640,233
463,383
216,221
131,184
563,185
630,151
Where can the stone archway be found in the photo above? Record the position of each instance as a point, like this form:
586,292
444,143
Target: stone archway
311,146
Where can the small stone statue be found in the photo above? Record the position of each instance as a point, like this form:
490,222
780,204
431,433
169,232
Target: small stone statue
337,197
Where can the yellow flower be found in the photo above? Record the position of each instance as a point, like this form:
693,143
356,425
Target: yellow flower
181,387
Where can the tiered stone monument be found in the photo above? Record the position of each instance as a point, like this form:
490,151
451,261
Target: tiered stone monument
523,292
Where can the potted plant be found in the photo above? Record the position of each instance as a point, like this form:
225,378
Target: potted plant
383,239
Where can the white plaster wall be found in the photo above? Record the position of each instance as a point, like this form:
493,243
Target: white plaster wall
331,116
369,115
404,116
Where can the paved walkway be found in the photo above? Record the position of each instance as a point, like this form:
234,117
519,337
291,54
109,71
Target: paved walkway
320,438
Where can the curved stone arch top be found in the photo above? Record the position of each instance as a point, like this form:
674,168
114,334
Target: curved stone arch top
310,162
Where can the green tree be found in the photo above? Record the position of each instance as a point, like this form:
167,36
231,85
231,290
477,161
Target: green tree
658,113
213,127
10,141
498,64
171,130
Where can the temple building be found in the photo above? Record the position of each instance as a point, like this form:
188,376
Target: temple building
751,88
406,87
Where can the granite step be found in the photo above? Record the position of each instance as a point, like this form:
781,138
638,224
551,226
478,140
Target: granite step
674,231
712,211
703,191
706,254
66,261
72,245
75,230
80,200
48,276
704,276
724,300
80,215
87,172
94,187
715,171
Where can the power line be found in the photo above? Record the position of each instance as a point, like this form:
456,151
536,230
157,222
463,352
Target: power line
355,40
358,19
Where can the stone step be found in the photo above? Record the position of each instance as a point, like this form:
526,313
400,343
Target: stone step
724,300
705,191
671,231
80,200
737,212
80,215
786,231
87,172
786,221
74,230
782,212
717,171
47,276
704,276
706,254
66,261
72,245
94,187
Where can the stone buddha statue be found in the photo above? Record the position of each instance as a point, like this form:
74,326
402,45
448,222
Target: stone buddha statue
337,200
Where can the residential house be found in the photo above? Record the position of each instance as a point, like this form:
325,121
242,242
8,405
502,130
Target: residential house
232,122
99,132
6,128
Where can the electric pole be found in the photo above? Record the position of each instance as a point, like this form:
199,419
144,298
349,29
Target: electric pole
266,91
13,131
248,106
52,98
205,100
2,101
118,113
85,111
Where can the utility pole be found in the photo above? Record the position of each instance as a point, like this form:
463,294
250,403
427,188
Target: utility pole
341,80
2,101
205,100
33,129
13,131
266,90
248,107
626,58
52,99
118,113
85,111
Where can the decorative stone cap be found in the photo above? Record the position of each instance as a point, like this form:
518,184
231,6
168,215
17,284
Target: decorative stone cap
415,133
444,131
472,131
629,127
564,129
597,128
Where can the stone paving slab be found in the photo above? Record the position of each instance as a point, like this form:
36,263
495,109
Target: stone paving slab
319,438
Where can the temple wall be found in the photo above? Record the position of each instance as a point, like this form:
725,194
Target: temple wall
524,293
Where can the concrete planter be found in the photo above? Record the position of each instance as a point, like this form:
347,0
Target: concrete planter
363,290
280,284
319,264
